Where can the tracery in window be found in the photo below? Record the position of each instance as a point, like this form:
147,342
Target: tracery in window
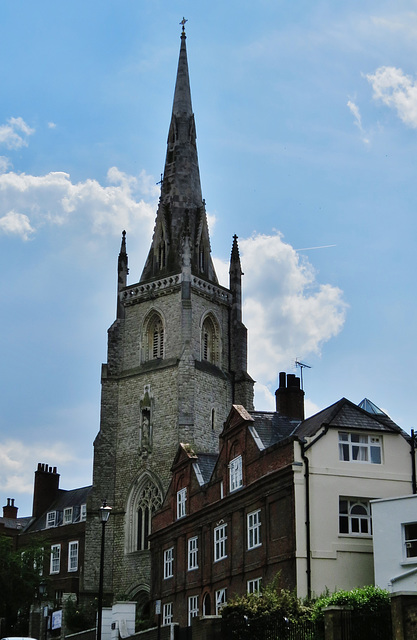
145,498
210,341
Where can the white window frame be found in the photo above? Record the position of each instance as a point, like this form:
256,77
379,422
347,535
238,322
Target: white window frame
55,562
220,537
192,553
221,600
360,447
356,520
192,608
73,548
167,613
235,474
410,542
181,503
254,586
67,516
254,529
83,512
168,563
51,519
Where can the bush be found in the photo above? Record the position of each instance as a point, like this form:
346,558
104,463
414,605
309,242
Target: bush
362,599
271,601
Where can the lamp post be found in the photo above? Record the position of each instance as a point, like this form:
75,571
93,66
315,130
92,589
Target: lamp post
104,513
45,610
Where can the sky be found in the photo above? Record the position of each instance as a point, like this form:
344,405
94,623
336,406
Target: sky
306,117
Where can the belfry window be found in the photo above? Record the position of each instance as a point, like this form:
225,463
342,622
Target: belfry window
209,341
162,255
155,336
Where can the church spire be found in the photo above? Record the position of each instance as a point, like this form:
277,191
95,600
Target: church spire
181,210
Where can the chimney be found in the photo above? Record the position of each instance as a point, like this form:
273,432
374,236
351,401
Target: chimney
290,397
10,511
45,490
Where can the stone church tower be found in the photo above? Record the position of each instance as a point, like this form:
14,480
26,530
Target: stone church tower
176,362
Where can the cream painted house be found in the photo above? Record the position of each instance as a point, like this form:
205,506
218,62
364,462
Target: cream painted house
347,456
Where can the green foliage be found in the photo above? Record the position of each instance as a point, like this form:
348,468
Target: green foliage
80,616
367,599
19,584
272,601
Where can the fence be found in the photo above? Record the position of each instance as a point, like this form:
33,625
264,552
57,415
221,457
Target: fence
271,628
367,626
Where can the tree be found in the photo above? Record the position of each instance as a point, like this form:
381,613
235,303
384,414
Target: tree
19,583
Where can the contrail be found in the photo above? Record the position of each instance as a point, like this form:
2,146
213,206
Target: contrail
325,246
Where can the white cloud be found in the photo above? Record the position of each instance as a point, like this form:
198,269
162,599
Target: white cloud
14,134
354,109
397,91
18,461
51,125
16,224
54,199
287,312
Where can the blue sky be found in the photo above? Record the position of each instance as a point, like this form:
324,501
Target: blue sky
306,119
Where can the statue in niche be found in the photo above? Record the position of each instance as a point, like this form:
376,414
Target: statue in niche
145,427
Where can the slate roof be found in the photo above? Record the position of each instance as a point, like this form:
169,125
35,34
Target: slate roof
15,523
73,498
204,466
270,427
345,414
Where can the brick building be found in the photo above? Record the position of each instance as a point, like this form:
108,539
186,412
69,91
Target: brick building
57,525
284,496
176,363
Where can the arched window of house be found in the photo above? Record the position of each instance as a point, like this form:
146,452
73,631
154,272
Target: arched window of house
210,341
155,337
206,605
145,498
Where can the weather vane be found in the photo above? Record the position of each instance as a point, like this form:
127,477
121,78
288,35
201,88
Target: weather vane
183,21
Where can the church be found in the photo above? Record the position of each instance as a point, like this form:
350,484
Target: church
177,362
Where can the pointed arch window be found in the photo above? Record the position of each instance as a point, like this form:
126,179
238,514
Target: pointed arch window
210,341
149,501
155,338
145,498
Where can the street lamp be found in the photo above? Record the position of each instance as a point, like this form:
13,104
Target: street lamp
104,513
45,611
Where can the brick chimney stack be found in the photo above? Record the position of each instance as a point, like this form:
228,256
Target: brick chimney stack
289,396
45,490
9,510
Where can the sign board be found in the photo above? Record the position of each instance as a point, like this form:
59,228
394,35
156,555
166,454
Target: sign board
157,607
57,619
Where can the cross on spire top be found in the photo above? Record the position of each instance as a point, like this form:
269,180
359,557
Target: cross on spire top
183,21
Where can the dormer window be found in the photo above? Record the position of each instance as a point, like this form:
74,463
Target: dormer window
68,515
181,502
83,512
51,519
358,447
235,473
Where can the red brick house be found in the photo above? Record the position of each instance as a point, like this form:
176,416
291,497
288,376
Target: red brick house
227,522
284,496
